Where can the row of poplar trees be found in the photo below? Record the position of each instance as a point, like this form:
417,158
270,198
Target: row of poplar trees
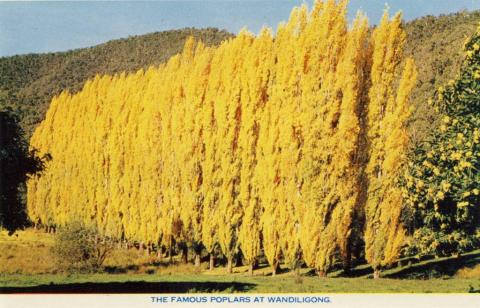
287,146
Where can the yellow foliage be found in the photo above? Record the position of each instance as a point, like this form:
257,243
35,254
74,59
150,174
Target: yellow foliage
388,139
264,137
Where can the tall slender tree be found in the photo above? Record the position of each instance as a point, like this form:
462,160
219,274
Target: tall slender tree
388,142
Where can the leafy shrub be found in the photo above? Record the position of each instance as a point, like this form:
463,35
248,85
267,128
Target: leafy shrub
427,241
79,248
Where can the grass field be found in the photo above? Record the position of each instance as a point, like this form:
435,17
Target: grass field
26,265
183,283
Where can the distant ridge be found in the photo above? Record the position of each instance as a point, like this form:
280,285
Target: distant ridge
28,82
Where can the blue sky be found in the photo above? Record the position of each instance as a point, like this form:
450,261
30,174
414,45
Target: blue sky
33,27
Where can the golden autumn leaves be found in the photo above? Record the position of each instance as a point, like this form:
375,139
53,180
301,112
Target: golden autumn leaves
287,146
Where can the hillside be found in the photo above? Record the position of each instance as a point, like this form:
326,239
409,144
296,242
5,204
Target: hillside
28,82
436,45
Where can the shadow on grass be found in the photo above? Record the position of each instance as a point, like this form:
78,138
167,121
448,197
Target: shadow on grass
134,287
357,272
473,290
436,268
424,268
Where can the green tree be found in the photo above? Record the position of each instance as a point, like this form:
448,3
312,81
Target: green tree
16,163
443,180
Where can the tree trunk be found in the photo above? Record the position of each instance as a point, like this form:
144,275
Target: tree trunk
347,261
322,273
170,254
297,271
197,259
238,260
250,269
275,267
159,254
229,265
376,273
212,262
185,254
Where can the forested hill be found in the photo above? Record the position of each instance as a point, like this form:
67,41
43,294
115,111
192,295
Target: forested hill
436,44
28,82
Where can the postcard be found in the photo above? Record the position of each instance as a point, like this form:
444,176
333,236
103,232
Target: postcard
240,153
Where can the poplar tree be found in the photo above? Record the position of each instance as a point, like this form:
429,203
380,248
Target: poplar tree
229,118
290,140
324,44
347,167
212,177
388,142
256,76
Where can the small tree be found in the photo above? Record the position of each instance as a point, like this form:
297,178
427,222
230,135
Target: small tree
442,185
79,248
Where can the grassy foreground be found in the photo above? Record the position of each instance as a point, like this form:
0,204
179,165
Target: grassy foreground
27,265
184,283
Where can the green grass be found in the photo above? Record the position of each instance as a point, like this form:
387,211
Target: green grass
27,265
140,283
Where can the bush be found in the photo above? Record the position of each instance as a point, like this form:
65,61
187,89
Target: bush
79,248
